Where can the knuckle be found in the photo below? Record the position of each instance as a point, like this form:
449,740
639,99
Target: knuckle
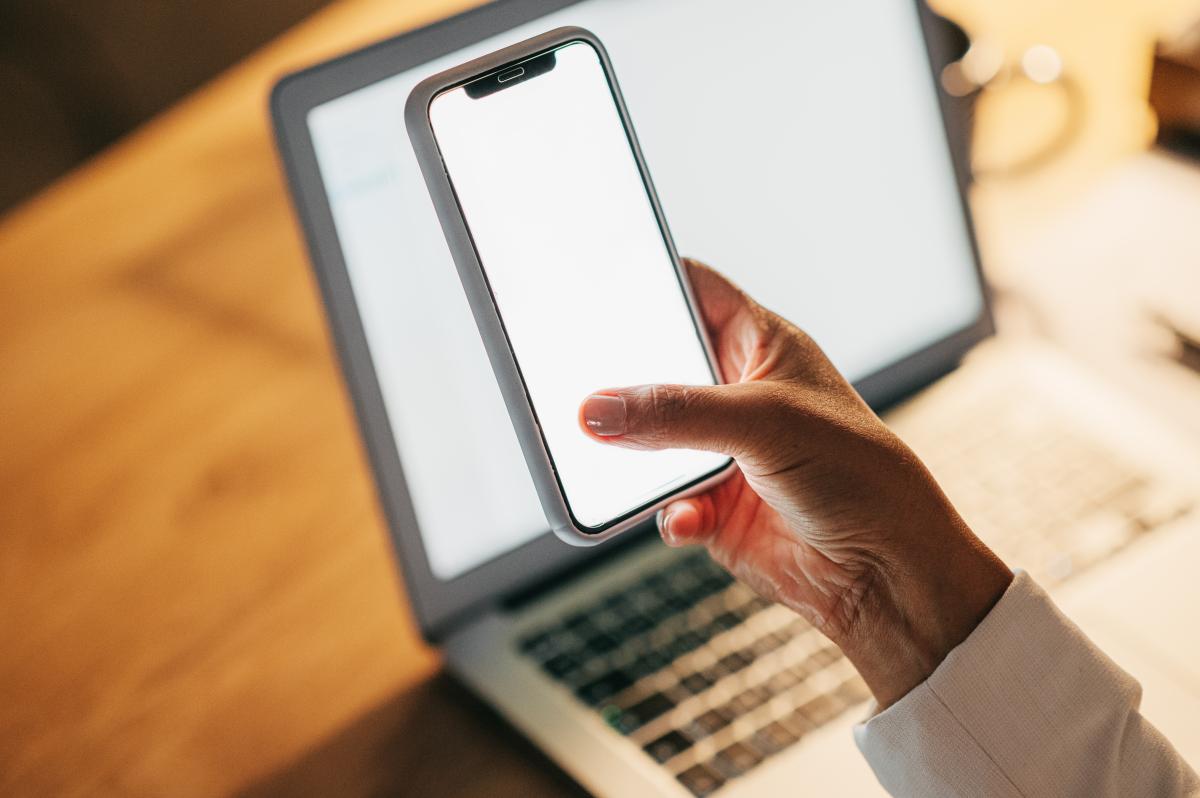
668,404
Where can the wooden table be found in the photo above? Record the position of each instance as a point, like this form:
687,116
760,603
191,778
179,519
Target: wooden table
196,590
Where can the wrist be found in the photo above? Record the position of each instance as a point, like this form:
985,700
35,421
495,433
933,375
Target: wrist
918,604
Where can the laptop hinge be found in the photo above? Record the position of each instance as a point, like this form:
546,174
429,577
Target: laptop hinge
448,627
640,534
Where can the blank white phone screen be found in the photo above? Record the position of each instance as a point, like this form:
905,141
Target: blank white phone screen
581,276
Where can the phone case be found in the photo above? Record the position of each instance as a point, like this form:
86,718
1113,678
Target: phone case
479,296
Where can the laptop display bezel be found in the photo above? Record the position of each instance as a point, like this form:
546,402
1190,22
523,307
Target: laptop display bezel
439,604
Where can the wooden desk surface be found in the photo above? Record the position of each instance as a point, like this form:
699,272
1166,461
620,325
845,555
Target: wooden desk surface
196,590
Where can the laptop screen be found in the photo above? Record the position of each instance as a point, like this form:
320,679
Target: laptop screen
797,147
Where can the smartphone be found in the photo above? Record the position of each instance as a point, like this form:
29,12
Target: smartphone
568,265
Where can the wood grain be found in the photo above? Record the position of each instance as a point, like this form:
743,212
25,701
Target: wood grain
194,580
196,590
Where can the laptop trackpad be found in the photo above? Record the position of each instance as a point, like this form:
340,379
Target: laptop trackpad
1143,608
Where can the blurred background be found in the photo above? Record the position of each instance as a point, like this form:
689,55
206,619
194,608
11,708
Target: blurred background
188,535
77,76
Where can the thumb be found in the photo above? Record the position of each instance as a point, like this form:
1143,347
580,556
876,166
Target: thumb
733,419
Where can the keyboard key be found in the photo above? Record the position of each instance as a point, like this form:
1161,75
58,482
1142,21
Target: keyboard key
560,665
579,634
576,620
640,596
803,670
608,621
764,645
853,691
659,585
700,593
634,625
701,780
695,683
819,659
605,686
763,692
618,603
774,738
1159,506
684,582
756,604
645,665
728,620
735,661
623,723
590,668
601,643
714,673
796,627
540,646
709,630
821,709
748,701
660,612
783,638
736,759
612,716
796,723
716,575
685,644
677,693
783,681
648,709
714,720
651,606
677,604
667,746
826,656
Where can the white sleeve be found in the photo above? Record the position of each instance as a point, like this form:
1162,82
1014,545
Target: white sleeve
1025,706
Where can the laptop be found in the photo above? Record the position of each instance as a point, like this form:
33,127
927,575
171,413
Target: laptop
799,148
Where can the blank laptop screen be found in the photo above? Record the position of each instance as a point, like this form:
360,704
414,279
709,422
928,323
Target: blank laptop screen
796,146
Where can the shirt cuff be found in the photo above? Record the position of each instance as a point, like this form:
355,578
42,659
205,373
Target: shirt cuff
1024,683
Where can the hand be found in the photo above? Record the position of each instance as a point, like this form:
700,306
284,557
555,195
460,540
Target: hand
829,513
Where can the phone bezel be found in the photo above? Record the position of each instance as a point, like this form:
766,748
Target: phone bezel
505,364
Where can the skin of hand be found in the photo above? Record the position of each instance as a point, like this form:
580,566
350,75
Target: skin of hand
828,513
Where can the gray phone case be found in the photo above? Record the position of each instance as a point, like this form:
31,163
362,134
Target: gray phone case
479,295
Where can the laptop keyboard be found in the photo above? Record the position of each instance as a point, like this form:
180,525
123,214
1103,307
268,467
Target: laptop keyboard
1046,497
706,677
710,680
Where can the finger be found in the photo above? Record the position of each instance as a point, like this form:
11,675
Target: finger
732,419
719,299
687,521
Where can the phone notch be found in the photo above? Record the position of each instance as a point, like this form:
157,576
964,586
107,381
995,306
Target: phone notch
511,76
